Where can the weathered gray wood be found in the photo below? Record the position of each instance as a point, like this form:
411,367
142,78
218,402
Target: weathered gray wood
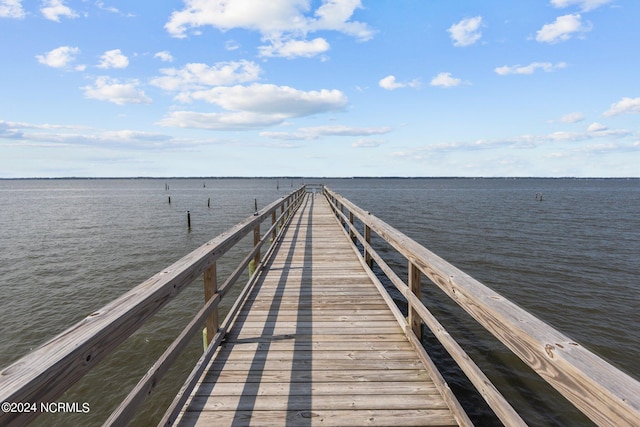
210,281
47,372
181,398
418,417
307,323
497,402
127,409
415,289
602,392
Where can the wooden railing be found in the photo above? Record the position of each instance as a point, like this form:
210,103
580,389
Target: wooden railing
602,392
46,373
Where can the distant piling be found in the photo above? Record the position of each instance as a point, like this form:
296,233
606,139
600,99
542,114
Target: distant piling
209,202
255,206
169,199
189,220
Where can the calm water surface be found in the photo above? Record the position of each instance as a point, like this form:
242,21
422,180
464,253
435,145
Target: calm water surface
71,246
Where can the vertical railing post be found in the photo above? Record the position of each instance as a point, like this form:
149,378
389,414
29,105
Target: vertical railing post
256,240
351,233
367,238
210,288
274,233
414,287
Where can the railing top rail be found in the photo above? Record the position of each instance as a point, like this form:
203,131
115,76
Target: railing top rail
601,391
47,372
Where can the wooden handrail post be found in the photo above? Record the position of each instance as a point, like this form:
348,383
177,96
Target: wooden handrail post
351,233
256,240
274,233
414,287
367,238
210,288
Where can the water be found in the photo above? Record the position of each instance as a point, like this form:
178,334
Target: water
71,246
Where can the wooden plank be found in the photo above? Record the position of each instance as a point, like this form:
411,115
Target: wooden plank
601,391
341,345
315,355
332,418
348,336
326,388
316,338
352,376
306,401
308,365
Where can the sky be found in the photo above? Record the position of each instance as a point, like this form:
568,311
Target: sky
331,88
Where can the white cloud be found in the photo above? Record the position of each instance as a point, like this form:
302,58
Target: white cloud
368,143
269,18
585,5
198,76
625,105
164,56
596,127
526,141
64,135
11,9
466,32
59,57
335,15
9,130
112,90
529,69
445,80
295,48
572,118
272,99
562,29
54,9
231,45
113,59
221,121
255,106
285,24
315,132
390,83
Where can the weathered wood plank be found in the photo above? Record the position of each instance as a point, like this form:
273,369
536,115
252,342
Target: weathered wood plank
327,388
332,418
316,338
351,376
310,402
46,373
601,391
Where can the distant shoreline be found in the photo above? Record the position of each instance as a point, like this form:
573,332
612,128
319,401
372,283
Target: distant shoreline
307,177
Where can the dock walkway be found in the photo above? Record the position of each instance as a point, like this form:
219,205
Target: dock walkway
315,344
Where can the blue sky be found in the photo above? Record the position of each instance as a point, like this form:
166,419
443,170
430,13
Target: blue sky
319,88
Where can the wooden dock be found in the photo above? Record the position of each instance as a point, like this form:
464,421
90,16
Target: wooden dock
316,344
314,338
